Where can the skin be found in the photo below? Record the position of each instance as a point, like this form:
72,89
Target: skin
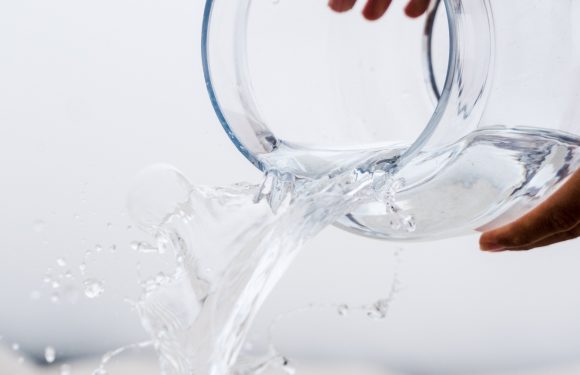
555,220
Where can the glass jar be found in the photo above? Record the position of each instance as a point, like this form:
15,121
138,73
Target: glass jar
474,110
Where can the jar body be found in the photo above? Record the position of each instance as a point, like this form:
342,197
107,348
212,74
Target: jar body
478,108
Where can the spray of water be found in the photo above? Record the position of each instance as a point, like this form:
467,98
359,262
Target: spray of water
232,245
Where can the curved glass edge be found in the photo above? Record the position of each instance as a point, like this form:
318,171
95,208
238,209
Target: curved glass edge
209,86
444,98
429,69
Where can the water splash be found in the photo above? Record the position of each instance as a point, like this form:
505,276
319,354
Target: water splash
232,244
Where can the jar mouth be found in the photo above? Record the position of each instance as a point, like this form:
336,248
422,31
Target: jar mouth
264,141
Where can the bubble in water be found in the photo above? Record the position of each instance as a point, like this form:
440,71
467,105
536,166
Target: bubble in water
55,297
47,279
93,288
342,309
100,371
39,225
20,360
55,284
410,224
395,223
113,248
68,274
109,225
61,262
49,354
98,248
65,369
82,268
16,346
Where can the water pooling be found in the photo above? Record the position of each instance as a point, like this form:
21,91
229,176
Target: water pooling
232,244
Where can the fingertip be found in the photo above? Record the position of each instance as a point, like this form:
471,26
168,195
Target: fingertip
370,16
375,9
490,244
416,8
339,5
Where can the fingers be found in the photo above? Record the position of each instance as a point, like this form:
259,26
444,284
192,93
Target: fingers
553,221
551,240
341,5
375,9
416,8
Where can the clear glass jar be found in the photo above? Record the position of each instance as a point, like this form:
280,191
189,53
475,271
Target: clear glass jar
477,106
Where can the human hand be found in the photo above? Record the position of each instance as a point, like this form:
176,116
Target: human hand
555,220
374,9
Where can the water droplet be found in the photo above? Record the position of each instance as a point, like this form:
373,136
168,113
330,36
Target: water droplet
47,279
16,346
93,288
286,367
410,224
39,226
49,354
109,225
113,249
343,309
82,268
68,274
20,360
77,217
61,262
379,309
395,223
55,284
100,371
98,248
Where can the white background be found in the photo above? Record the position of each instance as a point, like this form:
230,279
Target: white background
93,91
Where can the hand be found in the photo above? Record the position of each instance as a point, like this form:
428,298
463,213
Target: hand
555,220
374,9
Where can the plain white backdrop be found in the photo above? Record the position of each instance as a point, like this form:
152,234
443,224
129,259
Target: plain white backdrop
93,91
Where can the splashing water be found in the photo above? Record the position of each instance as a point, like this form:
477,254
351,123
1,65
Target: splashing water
232,244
